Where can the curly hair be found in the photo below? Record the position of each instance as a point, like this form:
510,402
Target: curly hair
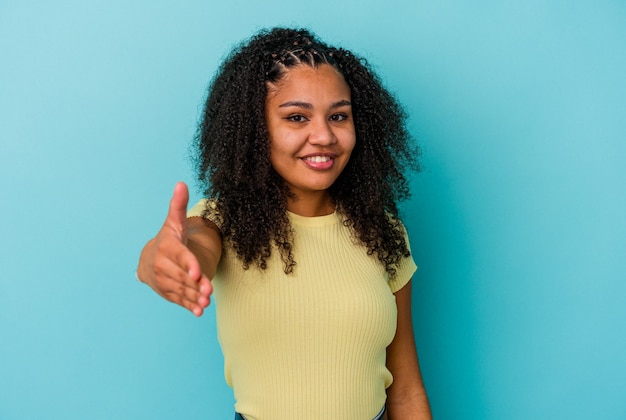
232,147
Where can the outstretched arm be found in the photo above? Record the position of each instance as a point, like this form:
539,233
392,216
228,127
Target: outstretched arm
179,261
406,397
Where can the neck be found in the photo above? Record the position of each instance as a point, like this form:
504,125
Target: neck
311,206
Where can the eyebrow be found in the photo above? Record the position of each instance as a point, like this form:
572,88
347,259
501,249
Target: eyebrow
306,105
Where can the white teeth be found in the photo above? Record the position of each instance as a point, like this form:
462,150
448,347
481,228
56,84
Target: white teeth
318,159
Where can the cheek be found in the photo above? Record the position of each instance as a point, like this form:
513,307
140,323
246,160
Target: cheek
284,142
281,151
350,142
278,148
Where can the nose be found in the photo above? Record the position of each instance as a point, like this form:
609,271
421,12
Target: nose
321,133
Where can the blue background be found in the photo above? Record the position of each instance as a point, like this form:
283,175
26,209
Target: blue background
517,221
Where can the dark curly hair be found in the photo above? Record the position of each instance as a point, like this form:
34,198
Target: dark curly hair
233,152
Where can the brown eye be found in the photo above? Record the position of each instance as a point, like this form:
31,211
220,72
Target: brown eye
338,117
296,118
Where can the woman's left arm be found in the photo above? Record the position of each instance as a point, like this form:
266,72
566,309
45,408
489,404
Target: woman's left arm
406,397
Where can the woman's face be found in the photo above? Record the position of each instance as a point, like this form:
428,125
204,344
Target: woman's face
311,128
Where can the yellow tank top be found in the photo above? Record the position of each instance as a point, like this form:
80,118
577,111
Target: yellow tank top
310,345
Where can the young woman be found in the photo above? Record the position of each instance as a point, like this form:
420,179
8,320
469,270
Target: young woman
302,153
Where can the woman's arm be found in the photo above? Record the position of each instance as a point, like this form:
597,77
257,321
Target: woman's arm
406,397
179,261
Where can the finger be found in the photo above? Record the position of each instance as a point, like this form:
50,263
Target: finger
187,261
182,295
180,289
176,281
170,277
197,287
206,288
190,263
186,302
170,248
177,213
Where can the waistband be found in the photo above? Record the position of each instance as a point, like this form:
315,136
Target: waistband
379,416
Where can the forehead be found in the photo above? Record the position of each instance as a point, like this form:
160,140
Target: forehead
304,81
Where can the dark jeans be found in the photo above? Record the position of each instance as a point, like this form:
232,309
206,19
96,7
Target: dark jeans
378,417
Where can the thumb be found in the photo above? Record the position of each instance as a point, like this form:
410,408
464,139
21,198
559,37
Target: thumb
177,213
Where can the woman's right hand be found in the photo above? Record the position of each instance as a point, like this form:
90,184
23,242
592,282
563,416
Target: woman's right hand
168,266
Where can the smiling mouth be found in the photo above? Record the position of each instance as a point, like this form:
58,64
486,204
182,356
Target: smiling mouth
319,163
317,159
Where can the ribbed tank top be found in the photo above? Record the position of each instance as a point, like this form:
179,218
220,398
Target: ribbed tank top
312,344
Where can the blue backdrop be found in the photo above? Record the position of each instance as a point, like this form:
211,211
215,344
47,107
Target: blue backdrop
517,220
